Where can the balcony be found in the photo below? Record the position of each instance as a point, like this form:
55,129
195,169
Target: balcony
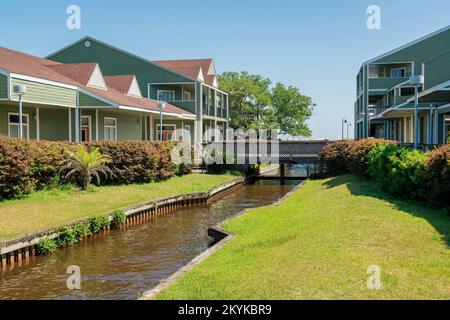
187,105
385,83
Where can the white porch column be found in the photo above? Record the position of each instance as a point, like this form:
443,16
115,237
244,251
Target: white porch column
436,126
38,125
152,138
430,128
70,124
77,124
96,125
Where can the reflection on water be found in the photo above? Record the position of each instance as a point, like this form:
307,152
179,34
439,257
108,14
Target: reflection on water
124,263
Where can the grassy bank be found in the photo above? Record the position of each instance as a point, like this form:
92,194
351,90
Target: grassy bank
319,243
47,209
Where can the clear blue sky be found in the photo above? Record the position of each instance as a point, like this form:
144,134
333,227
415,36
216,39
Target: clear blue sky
317,46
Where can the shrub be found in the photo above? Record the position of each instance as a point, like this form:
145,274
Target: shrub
16,176
47,160
437,177
46,246
349,156
82,230
118,218
358,154
88,164
334,158
399,171
98,223
30,165
67,237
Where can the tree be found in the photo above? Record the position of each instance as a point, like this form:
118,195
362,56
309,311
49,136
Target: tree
291,110
88,165
250,99
255,104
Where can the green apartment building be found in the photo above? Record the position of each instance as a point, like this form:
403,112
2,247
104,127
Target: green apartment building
72,96
191,85
385,105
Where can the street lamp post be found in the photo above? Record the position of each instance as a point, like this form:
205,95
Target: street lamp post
344,121
416,82
20,90
161,107
348,129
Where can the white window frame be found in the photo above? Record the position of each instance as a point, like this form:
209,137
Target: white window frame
89,125
165,91
105,126
396,69
158,133
189,95
25,115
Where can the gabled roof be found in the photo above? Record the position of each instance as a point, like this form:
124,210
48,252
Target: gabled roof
120,83
77,75
80,72
28,65
408,45
192,68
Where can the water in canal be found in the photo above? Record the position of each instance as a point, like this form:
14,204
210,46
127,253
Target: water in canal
124,263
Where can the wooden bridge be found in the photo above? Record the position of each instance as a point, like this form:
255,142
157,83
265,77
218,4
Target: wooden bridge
304,153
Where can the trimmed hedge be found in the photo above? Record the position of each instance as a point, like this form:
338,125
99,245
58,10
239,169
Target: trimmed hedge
30,165
400,171
349,156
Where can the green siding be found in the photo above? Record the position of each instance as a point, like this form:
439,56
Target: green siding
385,83
3,86
129,125
421,51
114,62
437,70
46,94
54,124
88,101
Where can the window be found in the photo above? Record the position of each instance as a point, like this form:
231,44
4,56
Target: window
166,95
110,129
13,125
398,73
186,96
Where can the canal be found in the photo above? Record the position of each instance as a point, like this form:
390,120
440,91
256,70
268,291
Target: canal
124,263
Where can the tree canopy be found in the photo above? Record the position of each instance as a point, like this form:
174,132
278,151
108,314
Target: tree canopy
257,104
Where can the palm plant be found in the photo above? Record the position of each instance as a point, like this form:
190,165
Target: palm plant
88,164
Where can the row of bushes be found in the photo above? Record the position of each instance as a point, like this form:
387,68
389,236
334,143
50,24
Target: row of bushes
400,171
69,235
30,165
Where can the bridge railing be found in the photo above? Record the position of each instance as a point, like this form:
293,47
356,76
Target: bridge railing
267,151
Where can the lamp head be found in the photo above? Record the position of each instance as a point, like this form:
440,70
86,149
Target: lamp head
20,89
416,81
161,105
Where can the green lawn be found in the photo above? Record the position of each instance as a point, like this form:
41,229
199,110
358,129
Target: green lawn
319,243
47,209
